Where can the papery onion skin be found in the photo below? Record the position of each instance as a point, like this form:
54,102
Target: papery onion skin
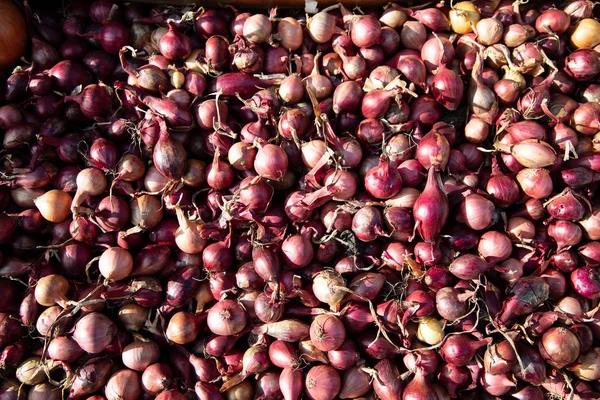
431,209
229,312
94,332
322,383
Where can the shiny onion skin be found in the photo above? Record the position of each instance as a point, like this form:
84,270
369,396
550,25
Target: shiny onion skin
394,202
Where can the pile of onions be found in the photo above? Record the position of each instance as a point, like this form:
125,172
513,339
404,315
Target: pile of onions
394,203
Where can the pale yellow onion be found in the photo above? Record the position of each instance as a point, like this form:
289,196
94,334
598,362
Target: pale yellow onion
463,16
177,79
312,152
517,34
328,287
191,62
203,296
310,353
183,328
47,318
476,130
321,27
516,76
146,211
52,289
90,182
430,330
131,168
154,37
133,316
587,366
393,16
596,142
586,34
54,205
124,384
115,263
31,371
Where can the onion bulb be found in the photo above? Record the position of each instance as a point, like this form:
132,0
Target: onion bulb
430,330
54,205
586,34
463,16
51,290
13,34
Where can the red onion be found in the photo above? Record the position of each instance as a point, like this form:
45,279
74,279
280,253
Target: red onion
432,18
524,296
476,212
565,234
297,251
367,224
271,162
431,208
91,376
433,151
226,318
447,88
586,282
43,55
175,45
494,246
290,383
365,30
327,332
552,21
459,350
123,384
383,181
322,383
448,303
420,387
94,332
496,385
469,266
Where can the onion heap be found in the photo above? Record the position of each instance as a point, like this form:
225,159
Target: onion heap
219,204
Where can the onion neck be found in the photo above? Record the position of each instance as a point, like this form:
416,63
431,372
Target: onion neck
184,223
125,64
